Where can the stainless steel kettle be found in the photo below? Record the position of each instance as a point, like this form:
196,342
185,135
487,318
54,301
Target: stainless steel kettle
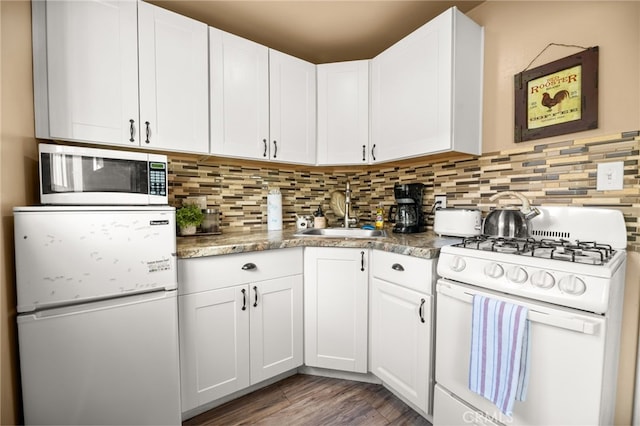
509,221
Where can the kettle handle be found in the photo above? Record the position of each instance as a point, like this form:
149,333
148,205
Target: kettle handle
391,217
526,207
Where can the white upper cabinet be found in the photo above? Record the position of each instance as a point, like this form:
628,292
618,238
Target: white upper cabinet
85,56
343,113
120,73
174,80
426,91
239,96
292,109
263,102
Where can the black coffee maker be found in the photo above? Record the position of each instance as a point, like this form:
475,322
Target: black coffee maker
407,213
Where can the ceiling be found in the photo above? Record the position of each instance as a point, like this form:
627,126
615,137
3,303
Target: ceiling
317,31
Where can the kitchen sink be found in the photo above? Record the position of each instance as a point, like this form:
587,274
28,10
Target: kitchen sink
341,233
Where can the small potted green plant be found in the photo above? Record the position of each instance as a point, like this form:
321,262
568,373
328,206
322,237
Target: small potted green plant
188,218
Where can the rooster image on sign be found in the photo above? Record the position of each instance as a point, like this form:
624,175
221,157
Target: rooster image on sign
550,102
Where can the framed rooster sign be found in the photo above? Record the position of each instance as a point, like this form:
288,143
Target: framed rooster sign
557,98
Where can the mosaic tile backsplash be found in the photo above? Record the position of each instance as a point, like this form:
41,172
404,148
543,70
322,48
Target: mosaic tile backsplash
561,173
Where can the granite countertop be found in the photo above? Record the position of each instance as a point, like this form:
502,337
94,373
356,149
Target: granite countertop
425,245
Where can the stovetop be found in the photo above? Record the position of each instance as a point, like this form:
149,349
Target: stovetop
575,258
587,252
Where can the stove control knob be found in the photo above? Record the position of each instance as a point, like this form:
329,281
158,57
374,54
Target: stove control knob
572,285
543,279
493,270
457,264
517,275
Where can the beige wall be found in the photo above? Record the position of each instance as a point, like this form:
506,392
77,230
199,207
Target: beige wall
516,31
18,170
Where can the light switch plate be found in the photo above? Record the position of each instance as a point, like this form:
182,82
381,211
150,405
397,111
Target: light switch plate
610,176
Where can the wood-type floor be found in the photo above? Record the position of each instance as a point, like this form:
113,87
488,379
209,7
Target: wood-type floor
313,401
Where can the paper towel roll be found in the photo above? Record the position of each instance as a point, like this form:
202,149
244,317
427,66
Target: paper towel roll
274,210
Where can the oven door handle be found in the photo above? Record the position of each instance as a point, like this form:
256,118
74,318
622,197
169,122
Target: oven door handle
568,323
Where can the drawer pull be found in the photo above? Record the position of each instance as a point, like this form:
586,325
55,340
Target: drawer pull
397,267
421,310
244,299
249,266
255,303
362,261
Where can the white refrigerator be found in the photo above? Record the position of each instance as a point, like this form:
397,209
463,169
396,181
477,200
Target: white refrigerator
97,315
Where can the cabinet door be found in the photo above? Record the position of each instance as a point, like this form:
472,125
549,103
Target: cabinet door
343,113
335,308
400,340
86,71
174,102
276,327
292,98
239,96
411,93
214,344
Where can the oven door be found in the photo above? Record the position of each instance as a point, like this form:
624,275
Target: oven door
567,364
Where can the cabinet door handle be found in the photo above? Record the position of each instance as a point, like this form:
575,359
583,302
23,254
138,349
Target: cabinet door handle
131,130
264,141
275,149
362,261
255,301
373,154
364,153
148,131
397,267
249,266
421,310
244,299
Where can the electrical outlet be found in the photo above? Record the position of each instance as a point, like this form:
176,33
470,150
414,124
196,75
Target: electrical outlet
610,176
441,201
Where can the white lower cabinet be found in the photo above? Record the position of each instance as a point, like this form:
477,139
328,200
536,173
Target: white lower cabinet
335,308
401,325
240,319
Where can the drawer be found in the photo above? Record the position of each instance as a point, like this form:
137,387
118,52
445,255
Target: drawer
214,272
449,410
408,271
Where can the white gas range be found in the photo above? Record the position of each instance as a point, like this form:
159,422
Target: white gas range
570,276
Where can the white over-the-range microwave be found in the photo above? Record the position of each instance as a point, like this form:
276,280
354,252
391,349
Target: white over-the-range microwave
72,175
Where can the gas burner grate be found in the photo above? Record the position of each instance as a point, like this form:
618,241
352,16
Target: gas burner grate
587,252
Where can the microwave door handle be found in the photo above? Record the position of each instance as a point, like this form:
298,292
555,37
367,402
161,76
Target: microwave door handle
568,323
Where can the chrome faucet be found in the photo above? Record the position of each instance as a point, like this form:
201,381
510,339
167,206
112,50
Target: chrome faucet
347,204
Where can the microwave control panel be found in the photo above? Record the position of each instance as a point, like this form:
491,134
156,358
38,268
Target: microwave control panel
157,178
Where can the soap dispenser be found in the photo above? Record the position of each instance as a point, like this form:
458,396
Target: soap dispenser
319,221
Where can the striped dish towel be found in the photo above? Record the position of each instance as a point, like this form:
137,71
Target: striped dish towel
500,341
